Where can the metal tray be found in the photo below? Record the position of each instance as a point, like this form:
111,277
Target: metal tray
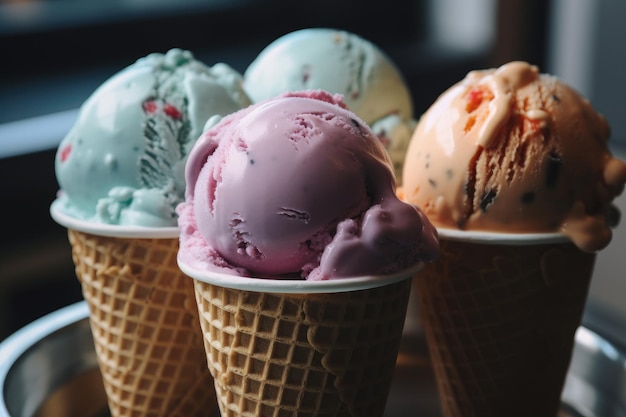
49,369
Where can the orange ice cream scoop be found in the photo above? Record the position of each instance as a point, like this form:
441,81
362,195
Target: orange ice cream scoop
513,150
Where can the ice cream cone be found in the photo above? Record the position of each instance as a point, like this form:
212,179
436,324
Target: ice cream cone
301,348
145,326
143,319
499,318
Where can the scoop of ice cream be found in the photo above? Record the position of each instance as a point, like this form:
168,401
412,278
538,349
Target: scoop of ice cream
338,62
123,160
297,185
513,150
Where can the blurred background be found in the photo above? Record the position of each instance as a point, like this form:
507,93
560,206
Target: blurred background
54,53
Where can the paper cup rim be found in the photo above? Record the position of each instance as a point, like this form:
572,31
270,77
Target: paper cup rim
501,238
110,230
294,286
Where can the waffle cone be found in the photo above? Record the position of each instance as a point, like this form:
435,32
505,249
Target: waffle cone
500,321
302,355
145,326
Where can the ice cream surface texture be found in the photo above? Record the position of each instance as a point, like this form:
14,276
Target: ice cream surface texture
339,62
514,150
123,161
297,186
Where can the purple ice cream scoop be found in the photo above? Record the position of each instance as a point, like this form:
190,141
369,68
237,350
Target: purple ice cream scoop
298,186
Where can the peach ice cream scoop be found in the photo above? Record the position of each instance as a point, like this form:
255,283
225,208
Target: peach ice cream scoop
514,150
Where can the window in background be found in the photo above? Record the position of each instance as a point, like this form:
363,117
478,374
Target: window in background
587,51
463,26
22,16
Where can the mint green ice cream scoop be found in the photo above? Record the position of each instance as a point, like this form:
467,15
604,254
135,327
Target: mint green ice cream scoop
122,163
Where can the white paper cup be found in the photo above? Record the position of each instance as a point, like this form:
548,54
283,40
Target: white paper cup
296,286
296,347
111,230
501,238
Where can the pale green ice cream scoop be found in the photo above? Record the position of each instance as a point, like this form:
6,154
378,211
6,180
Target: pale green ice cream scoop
339,62
122,163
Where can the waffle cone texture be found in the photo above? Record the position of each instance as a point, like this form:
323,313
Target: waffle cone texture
500,323
305,355
144,323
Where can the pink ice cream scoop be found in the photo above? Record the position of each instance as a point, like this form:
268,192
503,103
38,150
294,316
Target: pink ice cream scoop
298,185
